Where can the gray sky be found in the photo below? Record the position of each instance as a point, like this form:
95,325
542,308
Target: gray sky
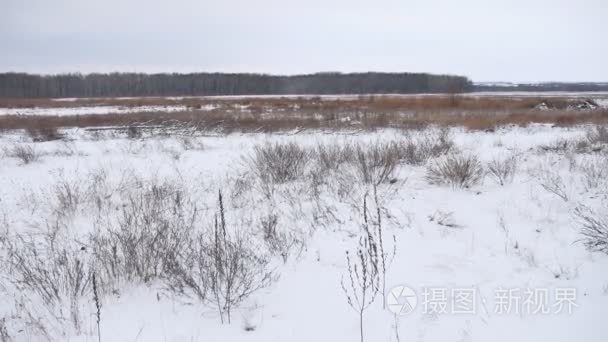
487,40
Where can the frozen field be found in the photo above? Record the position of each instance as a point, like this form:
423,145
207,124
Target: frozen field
487,262
89,110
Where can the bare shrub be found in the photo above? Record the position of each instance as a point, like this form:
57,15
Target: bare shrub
99,188
72,193
56,271
444,218
279,162
68,196
377,240
278,240
367,267
376,163
595,172
25,153
66,149
560,146
503,170
4,336
553,183
186,273
595,140
134,132
332,156
238,188
363,283
41,134
236,270
152,223
456,170
598,135
97,301
594,228
221,267
432,144
3,229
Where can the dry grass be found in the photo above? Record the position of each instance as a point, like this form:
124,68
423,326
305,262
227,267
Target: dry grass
459,171
39,134
594,228
279,163
502,170
376,163
282,113
26,154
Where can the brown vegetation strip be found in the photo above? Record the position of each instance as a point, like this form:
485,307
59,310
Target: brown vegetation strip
276,114
224,121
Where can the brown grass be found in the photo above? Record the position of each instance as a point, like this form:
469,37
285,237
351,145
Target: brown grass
281,113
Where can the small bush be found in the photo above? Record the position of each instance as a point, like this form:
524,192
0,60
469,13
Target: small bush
4,336
595,172
134,132
186,273
554,183
54,270
462,171
503,170
279,163
219,266
42,134
595,140
598,135
236,272
68,196
278,241
153,223
561,146
376,163
594,228
332,156
431,145
25,153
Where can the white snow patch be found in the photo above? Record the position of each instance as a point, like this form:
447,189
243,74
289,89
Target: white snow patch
98,110
540,248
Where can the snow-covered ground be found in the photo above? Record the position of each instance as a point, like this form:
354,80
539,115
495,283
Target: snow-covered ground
505,245
98,110
88,110
603,102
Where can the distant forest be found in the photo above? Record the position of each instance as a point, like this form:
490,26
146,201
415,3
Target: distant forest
201,84
23,85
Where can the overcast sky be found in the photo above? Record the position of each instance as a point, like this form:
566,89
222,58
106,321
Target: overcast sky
487,40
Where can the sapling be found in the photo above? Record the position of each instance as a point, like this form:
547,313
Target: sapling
366,266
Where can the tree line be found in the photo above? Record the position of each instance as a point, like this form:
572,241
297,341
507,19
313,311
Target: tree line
23,85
